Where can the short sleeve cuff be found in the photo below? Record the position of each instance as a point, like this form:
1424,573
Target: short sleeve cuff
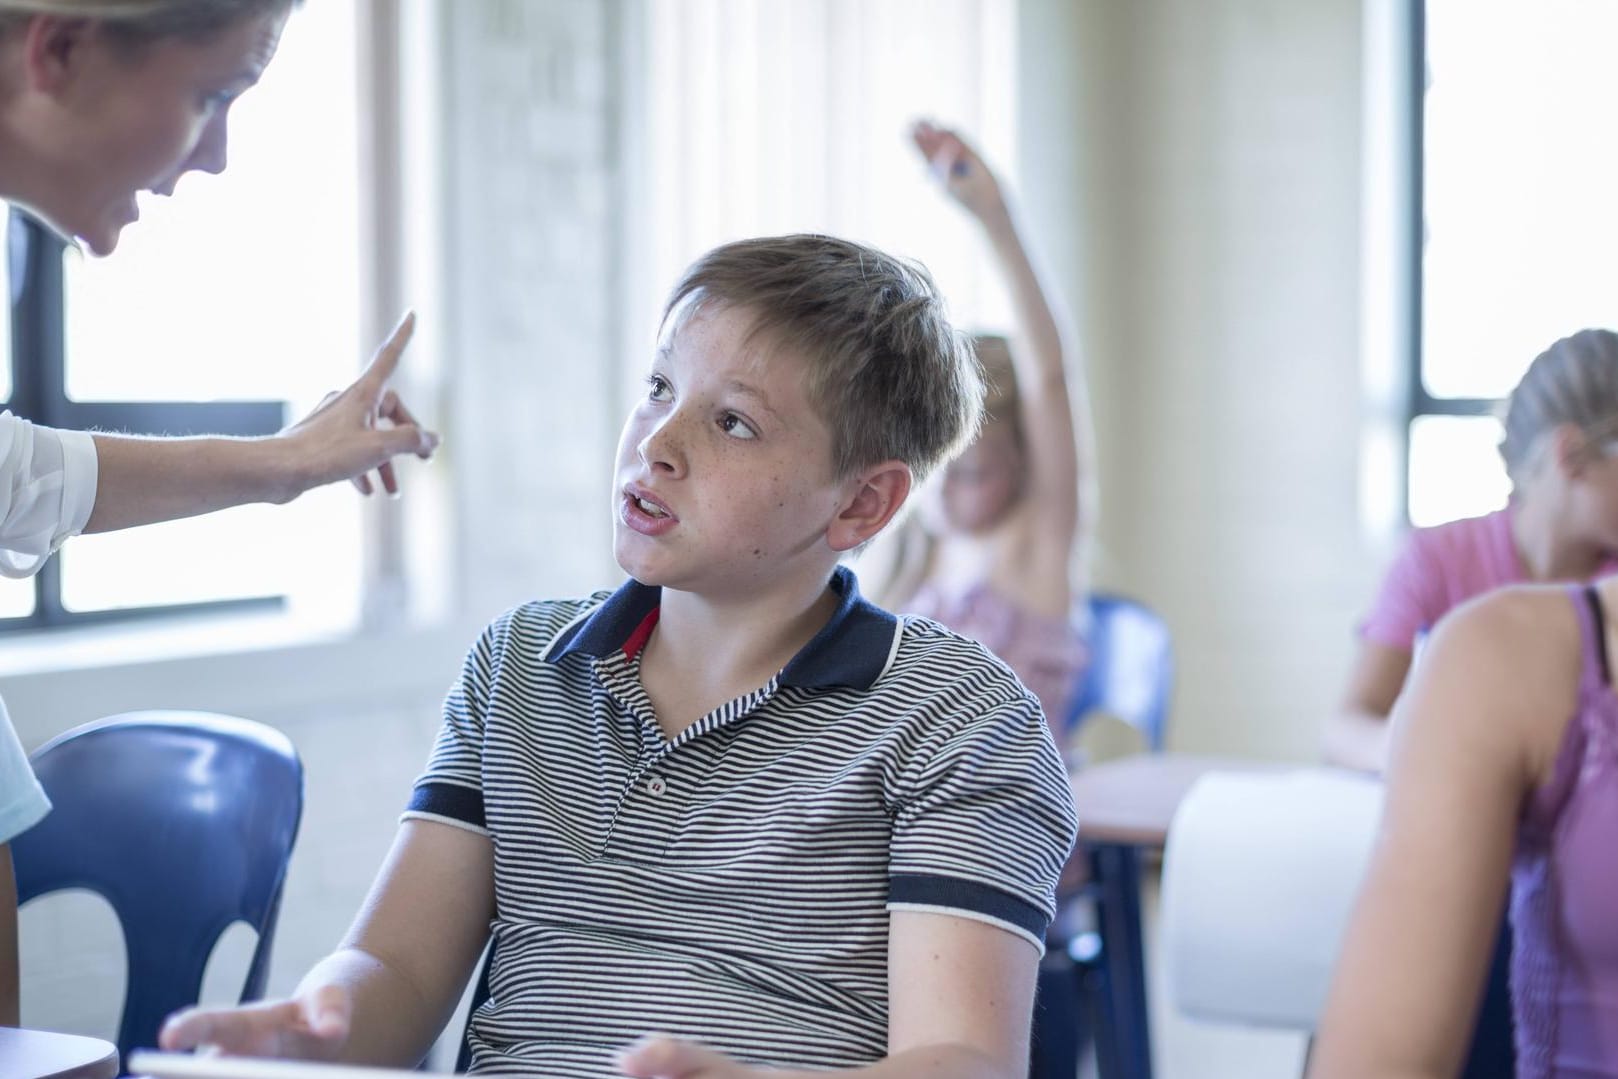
80,474
449,803
968,899
24,807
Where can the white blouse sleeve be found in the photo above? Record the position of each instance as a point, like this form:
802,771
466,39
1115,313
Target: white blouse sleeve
47,489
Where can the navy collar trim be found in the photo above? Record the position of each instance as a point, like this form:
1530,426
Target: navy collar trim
853,649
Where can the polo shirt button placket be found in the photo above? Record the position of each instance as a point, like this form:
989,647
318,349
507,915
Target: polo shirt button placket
656,785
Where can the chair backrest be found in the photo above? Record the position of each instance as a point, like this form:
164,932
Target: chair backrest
184,822
1259,878
1130,674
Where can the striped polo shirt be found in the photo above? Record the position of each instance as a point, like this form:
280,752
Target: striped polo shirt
732,885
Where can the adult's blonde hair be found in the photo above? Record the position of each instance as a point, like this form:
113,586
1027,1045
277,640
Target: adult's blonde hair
1575,381
137,22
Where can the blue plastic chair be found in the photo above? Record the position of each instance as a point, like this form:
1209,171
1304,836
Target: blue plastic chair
1131,677
184,822
1131,669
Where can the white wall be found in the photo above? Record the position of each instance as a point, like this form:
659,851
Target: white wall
1196,164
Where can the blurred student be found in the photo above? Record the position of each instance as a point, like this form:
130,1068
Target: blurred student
1504,776
1002,554
1561,524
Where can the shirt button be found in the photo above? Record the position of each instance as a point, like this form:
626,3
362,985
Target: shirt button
655,785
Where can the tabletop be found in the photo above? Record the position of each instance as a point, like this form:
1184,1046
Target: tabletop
41,1054
1132,800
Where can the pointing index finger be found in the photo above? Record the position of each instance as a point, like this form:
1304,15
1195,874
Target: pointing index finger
386,359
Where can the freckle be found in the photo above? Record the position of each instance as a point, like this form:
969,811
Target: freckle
757,552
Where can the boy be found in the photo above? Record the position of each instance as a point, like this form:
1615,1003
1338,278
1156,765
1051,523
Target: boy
731,800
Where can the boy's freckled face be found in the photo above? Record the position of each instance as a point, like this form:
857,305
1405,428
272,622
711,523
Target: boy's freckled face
723,484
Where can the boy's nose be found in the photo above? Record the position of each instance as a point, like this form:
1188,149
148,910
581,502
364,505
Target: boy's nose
662,448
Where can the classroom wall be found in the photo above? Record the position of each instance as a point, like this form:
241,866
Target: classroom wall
1195,169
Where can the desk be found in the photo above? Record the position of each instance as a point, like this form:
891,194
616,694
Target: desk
39,1054
1126,806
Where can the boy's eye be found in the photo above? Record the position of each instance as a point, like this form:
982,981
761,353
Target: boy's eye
735,426
657,388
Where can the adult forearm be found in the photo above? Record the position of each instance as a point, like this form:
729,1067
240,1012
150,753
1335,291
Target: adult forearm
146,480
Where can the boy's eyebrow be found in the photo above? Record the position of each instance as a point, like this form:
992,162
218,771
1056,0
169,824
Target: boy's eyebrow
740,387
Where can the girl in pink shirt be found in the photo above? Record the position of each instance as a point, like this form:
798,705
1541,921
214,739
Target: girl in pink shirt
1561,525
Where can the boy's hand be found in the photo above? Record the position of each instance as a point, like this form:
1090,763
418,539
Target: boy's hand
662,1057
313,1026
958,167
345,437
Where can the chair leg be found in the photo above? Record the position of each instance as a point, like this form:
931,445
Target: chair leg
1123,1037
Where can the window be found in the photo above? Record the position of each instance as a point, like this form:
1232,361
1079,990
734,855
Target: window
1515,224
228,309
761,119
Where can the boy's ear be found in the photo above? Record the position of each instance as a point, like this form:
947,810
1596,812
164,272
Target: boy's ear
874,496
51,47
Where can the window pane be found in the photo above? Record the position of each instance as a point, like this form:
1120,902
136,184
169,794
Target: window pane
1519,180
1455,468
245,285
16,598
240,553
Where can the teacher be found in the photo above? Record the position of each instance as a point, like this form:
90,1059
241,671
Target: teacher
101,100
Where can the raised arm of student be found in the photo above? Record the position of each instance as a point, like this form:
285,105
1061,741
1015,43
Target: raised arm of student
1473,734
388,990
361,429
1055,409
961,996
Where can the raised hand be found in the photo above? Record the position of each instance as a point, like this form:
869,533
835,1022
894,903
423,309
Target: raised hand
958,168
362,427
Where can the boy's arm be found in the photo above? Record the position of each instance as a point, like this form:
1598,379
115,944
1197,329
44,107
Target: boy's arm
10,997
388,990
961,997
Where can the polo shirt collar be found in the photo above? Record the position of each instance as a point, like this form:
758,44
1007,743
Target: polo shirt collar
853,649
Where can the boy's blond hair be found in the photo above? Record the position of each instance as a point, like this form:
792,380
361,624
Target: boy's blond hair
886,370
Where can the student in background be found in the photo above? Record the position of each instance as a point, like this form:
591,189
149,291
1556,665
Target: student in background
1560,525
1002,552
1504,768
101,100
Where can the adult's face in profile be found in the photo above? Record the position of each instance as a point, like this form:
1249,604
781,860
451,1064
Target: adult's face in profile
106,119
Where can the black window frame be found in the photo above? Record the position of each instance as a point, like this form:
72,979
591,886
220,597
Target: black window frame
38,364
